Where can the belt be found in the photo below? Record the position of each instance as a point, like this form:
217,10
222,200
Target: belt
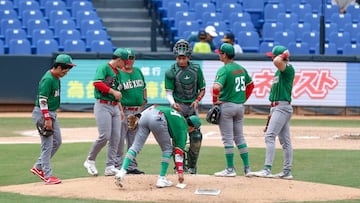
113,103
272,104
132,108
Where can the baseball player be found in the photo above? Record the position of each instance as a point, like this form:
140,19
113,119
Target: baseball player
46,104
232,87
133,89
185,87
108,114
280,114
170,130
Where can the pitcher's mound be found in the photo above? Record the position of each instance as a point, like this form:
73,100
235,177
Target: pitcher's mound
232,189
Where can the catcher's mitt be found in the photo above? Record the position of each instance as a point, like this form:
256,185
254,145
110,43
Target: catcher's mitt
213,115
40,125
133,121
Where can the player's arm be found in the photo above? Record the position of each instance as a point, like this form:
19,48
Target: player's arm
281,60
215,92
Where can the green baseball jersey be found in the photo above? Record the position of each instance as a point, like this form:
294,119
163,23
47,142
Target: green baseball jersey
106,74
185,83
282,84
132,87
177,125
49,88
233,78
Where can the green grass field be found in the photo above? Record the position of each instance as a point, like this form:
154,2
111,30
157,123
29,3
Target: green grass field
336,167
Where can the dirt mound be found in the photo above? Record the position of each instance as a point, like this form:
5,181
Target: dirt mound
142,188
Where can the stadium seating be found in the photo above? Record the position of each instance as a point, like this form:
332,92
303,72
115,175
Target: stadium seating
31,14
95,35
354,11
287,19
67,34
102,46
353,29
33,24
313,19
285,37
311,38
271,11
46,46
9,24
28,5
339,39
56,5
299,48
14,34
74,46
249,41
19,47
301,10
63,24
2,49
41,34
269,30
6,5
8,14
210,16
267,46
228,8
81,6
341,19
351,49
58,15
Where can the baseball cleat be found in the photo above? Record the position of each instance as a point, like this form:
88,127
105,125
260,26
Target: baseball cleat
111,171
163,182
135,171
284,175
247,171
228,172
119,178
38,172
91,168
52,180
265,173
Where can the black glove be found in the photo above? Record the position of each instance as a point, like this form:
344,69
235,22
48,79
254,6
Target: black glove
40,126
213,115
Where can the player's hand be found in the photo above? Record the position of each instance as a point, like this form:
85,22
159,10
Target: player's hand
48,124
177,107
195,104
181,177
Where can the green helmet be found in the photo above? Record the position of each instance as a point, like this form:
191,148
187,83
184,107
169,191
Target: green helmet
182,48
194,121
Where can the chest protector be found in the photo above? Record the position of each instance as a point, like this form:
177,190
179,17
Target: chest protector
186,87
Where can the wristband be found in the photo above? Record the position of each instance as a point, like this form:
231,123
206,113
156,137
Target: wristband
198,99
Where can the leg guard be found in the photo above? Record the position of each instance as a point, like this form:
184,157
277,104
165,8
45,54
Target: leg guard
194,150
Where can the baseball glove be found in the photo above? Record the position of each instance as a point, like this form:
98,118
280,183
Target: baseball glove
40,125
213,115
133,121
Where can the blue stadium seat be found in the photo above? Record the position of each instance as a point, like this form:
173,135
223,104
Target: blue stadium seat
212,16
192,3
267,46
298,48
329,10
8,14
249,41
14,34
228,8
271,10
219,3
102,46
56,5
9,24
269,30
28,5
339,39
313,19
6,5
201,8
192,26
287,19
330,48
311,38
85,14
285,37
351,49
354,11
341,19
40,34
219,25
31,14
329,28
46,46
315,5
238,26
90,24
63,24
169,15
2,48
301,10
353,29
300,28
288,4
95,35
239,17
251,6
33,24
74,46
66,34
58,15
80,6
19,47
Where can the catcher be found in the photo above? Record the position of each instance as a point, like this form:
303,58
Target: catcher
232,87
45,118
170,130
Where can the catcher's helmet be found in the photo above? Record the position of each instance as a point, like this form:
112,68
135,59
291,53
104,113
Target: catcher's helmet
182,48
194,121
213,115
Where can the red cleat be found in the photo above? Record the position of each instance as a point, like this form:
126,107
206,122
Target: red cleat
38,172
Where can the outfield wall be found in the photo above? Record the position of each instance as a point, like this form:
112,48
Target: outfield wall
323,84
